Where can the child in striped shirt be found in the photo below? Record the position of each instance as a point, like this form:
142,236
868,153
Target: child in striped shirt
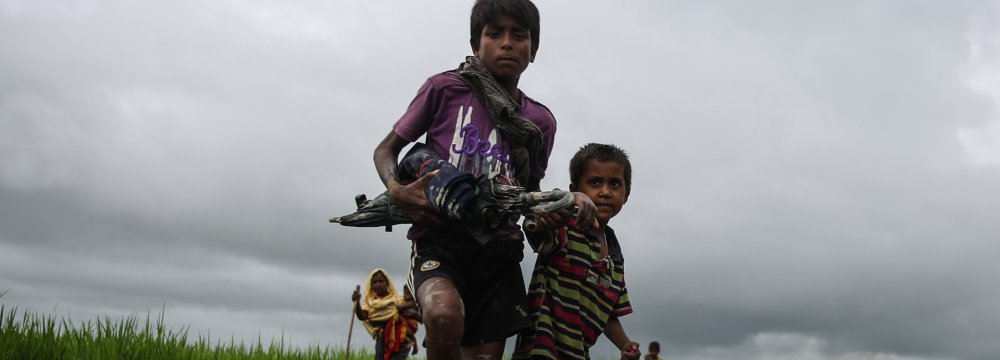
577,289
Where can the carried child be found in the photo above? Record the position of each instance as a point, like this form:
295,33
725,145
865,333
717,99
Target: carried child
411,314
577,289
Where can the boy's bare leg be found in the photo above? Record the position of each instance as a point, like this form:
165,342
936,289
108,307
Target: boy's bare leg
443,317
487,351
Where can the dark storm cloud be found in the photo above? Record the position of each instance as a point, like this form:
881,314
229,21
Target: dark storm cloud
801,187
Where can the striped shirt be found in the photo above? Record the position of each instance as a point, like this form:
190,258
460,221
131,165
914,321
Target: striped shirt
573,293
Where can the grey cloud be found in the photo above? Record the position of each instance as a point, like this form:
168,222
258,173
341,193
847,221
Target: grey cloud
799,190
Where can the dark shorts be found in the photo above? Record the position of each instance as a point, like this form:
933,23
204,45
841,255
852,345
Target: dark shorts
488,278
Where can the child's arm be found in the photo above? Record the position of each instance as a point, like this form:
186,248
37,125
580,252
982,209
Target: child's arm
409,197
406,305
616,333
409,310
545,238
584,211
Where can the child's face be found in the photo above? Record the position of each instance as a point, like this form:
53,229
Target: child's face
505,48
604,183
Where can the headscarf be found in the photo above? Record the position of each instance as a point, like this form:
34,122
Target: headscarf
523,135
380,308
383,310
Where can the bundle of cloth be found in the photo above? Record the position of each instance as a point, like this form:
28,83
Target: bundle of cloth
478,203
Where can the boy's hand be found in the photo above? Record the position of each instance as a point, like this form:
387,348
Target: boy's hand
631,351
586,211
412,198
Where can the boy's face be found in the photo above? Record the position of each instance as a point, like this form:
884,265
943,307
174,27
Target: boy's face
505,48
604,183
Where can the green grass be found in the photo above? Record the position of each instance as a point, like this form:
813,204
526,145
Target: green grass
31,336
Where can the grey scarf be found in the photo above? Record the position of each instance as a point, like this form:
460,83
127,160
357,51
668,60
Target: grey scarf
524,137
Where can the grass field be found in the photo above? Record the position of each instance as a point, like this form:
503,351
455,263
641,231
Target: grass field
25,335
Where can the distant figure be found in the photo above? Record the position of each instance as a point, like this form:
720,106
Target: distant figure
577,289
379,313
654,351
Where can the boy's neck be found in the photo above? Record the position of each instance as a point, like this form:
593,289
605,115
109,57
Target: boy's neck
513,92
510,85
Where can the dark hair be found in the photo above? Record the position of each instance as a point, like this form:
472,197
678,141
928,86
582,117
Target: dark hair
654,345
599,152
489,11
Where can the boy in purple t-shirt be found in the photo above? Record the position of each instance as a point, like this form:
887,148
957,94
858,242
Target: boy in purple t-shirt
471,293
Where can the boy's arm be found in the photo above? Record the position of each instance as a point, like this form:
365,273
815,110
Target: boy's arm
543,240
546,238
409,197
586,211
386,156
616,333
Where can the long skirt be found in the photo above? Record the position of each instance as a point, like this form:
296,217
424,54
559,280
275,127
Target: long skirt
403,352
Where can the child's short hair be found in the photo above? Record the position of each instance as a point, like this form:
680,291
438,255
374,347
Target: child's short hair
654,345
489,11
599,152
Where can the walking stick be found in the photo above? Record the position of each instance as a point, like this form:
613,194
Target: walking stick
347,350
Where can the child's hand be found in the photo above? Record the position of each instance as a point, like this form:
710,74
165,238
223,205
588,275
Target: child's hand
631,351
586,213
552,220
412,198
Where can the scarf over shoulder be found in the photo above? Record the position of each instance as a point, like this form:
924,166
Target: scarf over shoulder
523,135
380,309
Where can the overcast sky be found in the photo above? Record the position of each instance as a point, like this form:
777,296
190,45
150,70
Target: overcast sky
812,179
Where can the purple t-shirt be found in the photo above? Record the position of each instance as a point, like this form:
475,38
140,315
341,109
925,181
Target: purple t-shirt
459,128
